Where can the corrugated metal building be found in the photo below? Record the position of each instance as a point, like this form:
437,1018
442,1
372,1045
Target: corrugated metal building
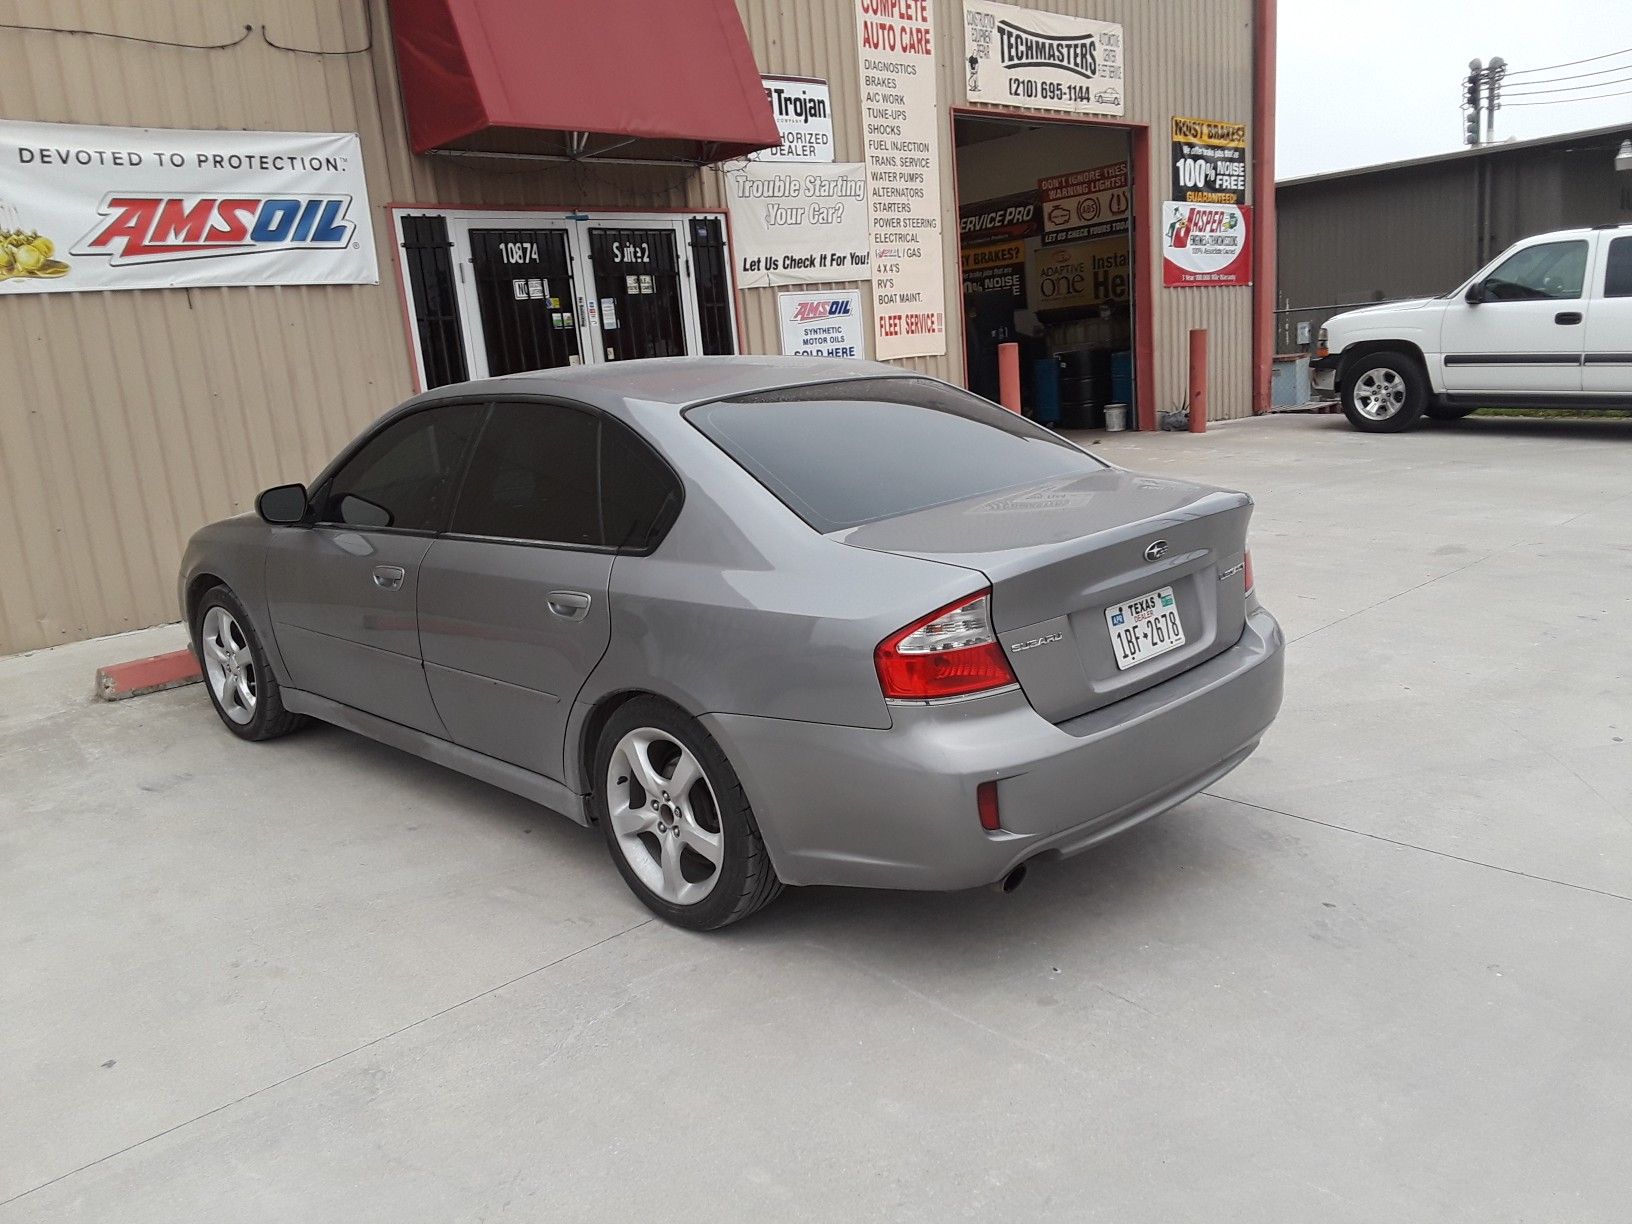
1419,227
128,419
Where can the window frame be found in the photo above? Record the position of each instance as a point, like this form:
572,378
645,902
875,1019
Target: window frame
603,419
1609,241
1581,293
319,491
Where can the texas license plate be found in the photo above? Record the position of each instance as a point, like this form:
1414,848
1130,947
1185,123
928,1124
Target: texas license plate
1144,628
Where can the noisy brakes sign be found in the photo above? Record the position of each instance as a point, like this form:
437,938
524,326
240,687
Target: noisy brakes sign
1209,161
95,208
1024,57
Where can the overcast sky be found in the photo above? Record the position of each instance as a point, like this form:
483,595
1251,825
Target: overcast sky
1363,82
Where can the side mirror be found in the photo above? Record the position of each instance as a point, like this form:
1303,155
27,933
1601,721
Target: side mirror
283,505
1476,293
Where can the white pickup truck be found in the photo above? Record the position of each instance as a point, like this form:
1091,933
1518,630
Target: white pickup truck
1547,324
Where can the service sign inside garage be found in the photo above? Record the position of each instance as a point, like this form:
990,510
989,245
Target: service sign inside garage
94,208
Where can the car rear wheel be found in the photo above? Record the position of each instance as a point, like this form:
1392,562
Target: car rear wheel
677,821
241,685
1450,412
1384,393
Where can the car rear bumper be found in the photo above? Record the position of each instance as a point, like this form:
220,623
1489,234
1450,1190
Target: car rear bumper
896,808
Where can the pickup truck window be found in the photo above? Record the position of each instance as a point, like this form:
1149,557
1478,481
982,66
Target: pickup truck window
1548,271
1618,268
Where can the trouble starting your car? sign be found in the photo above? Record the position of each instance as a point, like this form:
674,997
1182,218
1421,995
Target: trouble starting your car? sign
96,208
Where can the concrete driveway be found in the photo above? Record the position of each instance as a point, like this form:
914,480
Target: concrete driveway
1383,972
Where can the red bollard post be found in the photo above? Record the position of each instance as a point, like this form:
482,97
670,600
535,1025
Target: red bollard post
1198,380
1008,375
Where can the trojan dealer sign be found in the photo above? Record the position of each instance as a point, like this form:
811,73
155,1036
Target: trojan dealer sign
85,208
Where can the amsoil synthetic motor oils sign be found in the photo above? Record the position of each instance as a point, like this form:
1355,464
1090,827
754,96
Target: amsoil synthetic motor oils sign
160,208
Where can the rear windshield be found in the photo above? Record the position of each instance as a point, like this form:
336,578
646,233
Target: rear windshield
842,454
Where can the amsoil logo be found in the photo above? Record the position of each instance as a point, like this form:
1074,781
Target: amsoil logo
154,229
1022,48
832,308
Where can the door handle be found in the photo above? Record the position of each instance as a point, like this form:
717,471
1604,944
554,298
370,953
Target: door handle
568,605
1566,317
389,577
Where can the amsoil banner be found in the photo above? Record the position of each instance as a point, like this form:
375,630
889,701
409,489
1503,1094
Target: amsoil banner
798,224
161,208
1023,57
1209,161
1085,204
1206,244
901,123
821,324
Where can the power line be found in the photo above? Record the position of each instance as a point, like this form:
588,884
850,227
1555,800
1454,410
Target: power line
1576,76
1591,59
1531,93
1624,93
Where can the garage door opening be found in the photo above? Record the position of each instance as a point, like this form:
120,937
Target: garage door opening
1045,236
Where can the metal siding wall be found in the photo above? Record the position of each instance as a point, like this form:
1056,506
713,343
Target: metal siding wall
128,419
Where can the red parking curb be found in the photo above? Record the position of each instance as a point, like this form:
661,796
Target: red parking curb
151,675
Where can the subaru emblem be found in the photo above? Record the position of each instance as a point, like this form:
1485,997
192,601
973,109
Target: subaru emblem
1156,550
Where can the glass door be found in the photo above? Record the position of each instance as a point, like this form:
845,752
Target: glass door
638,292
525,298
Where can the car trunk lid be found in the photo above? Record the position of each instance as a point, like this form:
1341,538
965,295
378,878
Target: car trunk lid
1059,554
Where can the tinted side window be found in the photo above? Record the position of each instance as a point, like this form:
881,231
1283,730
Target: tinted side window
1618,268
1547,271
533,477
406,475
639,495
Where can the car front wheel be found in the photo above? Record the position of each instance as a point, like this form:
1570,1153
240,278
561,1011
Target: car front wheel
241,685
677,821
1384,393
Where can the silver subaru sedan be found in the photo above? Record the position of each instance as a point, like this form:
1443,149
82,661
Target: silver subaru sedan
764,621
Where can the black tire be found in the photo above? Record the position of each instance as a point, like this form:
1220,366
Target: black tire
743,881
268,719
1450,412
1385,392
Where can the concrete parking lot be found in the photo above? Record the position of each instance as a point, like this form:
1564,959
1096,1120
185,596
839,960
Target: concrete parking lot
1380,973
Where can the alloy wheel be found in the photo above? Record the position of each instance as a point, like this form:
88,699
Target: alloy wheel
665,816
1379,393
229,665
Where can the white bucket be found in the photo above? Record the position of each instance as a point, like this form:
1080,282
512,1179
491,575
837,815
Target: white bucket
1116,418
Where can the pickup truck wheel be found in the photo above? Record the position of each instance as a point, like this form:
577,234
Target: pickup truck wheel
1450,412
1384,393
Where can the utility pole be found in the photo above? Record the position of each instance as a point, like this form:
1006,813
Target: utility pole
1493,95
1482,91
1472,89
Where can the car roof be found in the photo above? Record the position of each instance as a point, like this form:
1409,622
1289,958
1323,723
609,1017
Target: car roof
676,380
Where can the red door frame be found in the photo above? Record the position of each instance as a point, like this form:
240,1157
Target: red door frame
1142,225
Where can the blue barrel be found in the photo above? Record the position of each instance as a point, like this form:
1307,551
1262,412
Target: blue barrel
1122,377
1045,399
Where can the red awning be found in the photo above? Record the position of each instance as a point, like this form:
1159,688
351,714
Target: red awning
633,80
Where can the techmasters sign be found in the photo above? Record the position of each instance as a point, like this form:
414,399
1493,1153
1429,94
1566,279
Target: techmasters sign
1024,57
96,208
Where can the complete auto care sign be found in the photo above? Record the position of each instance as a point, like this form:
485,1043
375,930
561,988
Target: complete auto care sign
86,208
1206,244
901,123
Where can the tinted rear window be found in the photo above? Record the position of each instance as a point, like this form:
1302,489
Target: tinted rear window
843,454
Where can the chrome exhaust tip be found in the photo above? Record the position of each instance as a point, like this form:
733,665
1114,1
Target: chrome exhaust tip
1010,882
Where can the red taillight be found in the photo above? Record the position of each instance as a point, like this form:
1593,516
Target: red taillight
1246,578
949,653
986,803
